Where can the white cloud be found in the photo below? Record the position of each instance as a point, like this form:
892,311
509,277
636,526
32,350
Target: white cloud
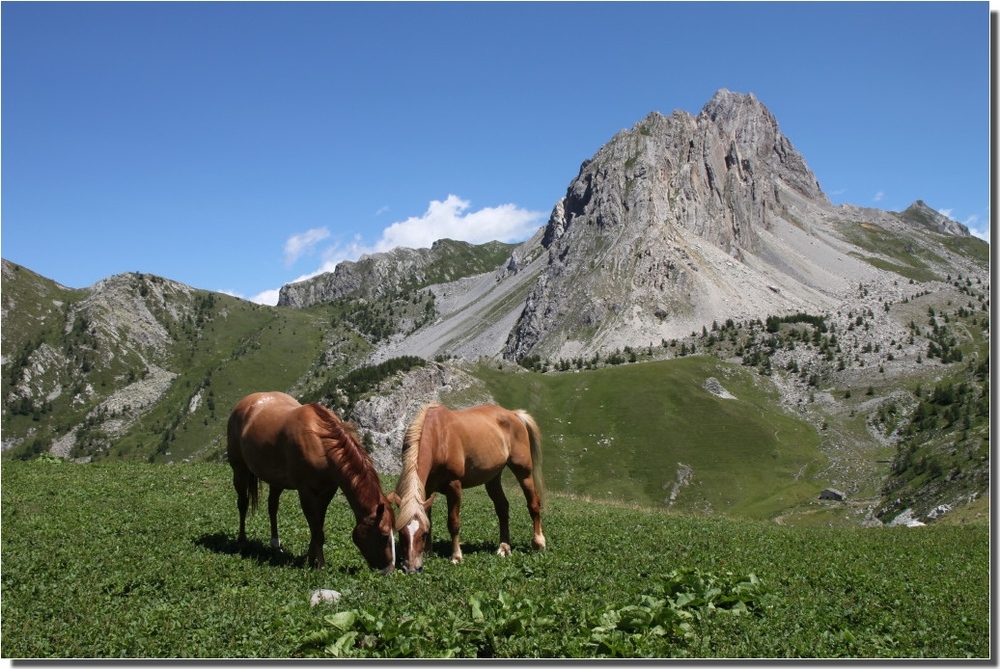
977,230
302,243
268,297
878,196
448,219
451,219
982,233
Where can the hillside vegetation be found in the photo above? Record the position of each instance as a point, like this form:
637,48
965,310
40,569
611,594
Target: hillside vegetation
653,434
129,559
896,418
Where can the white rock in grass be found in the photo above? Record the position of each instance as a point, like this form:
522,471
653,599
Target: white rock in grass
323,595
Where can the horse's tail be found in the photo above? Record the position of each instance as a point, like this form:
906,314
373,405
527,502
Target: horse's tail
535,439
247,477
253,489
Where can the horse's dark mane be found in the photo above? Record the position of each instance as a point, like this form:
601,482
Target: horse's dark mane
360,482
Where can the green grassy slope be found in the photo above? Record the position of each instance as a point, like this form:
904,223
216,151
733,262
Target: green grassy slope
249,349
220,347
128,559
624,433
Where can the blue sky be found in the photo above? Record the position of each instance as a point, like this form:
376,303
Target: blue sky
240,146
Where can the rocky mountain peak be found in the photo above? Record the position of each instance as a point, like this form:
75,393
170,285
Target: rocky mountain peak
625,237
726,106
920,213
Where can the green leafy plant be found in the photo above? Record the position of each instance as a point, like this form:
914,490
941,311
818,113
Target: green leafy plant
684,598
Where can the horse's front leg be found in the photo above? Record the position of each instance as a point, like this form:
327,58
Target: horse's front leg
454,494
502,507
272,511
314,505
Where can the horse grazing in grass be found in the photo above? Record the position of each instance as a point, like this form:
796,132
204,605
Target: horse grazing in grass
445,451
274,439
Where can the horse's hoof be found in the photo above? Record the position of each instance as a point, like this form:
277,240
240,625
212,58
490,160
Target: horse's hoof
504,550
455,559
538,543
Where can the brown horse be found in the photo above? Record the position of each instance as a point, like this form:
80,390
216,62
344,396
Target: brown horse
274,439
444,451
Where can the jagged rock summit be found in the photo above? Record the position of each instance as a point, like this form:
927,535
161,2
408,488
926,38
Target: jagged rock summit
919,212
670,225
684,220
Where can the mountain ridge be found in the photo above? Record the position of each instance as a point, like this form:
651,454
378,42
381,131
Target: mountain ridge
683,224
676,222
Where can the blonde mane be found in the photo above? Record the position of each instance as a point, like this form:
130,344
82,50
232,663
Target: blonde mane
409,487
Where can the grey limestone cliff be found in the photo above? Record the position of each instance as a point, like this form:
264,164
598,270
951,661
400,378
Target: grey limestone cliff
683,220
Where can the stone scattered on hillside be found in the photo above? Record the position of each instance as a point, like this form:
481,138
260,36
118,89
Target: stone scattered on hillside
832,494
713,386
324,595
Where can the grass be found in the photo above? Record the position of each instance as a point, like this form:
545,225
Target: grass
628,432
125,559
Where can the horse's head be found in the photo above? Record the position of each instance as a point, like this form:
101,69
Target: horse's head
376,539
414,536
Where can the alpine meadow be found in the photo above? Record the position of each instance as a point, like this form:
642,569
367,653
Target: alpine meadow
765,431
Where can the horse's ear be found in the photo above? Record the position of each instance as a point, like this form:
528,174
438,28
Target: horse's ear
427,504
394,498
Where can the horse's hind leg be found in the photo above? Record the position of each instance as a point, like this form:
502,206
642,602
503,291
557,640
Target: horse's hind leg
242,480
527,483
272,511
502,507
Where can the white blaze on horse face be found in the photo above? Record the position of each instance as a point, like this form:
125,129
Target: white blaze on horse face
412,528
413,554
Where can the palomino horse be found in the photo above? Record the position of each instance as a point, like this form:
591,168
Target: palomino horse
274,439
444,451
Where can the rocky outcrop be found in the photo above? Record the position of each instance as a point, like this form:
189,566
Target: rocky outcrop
386,414
115,415
383,274
371,276
133,311
473,315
